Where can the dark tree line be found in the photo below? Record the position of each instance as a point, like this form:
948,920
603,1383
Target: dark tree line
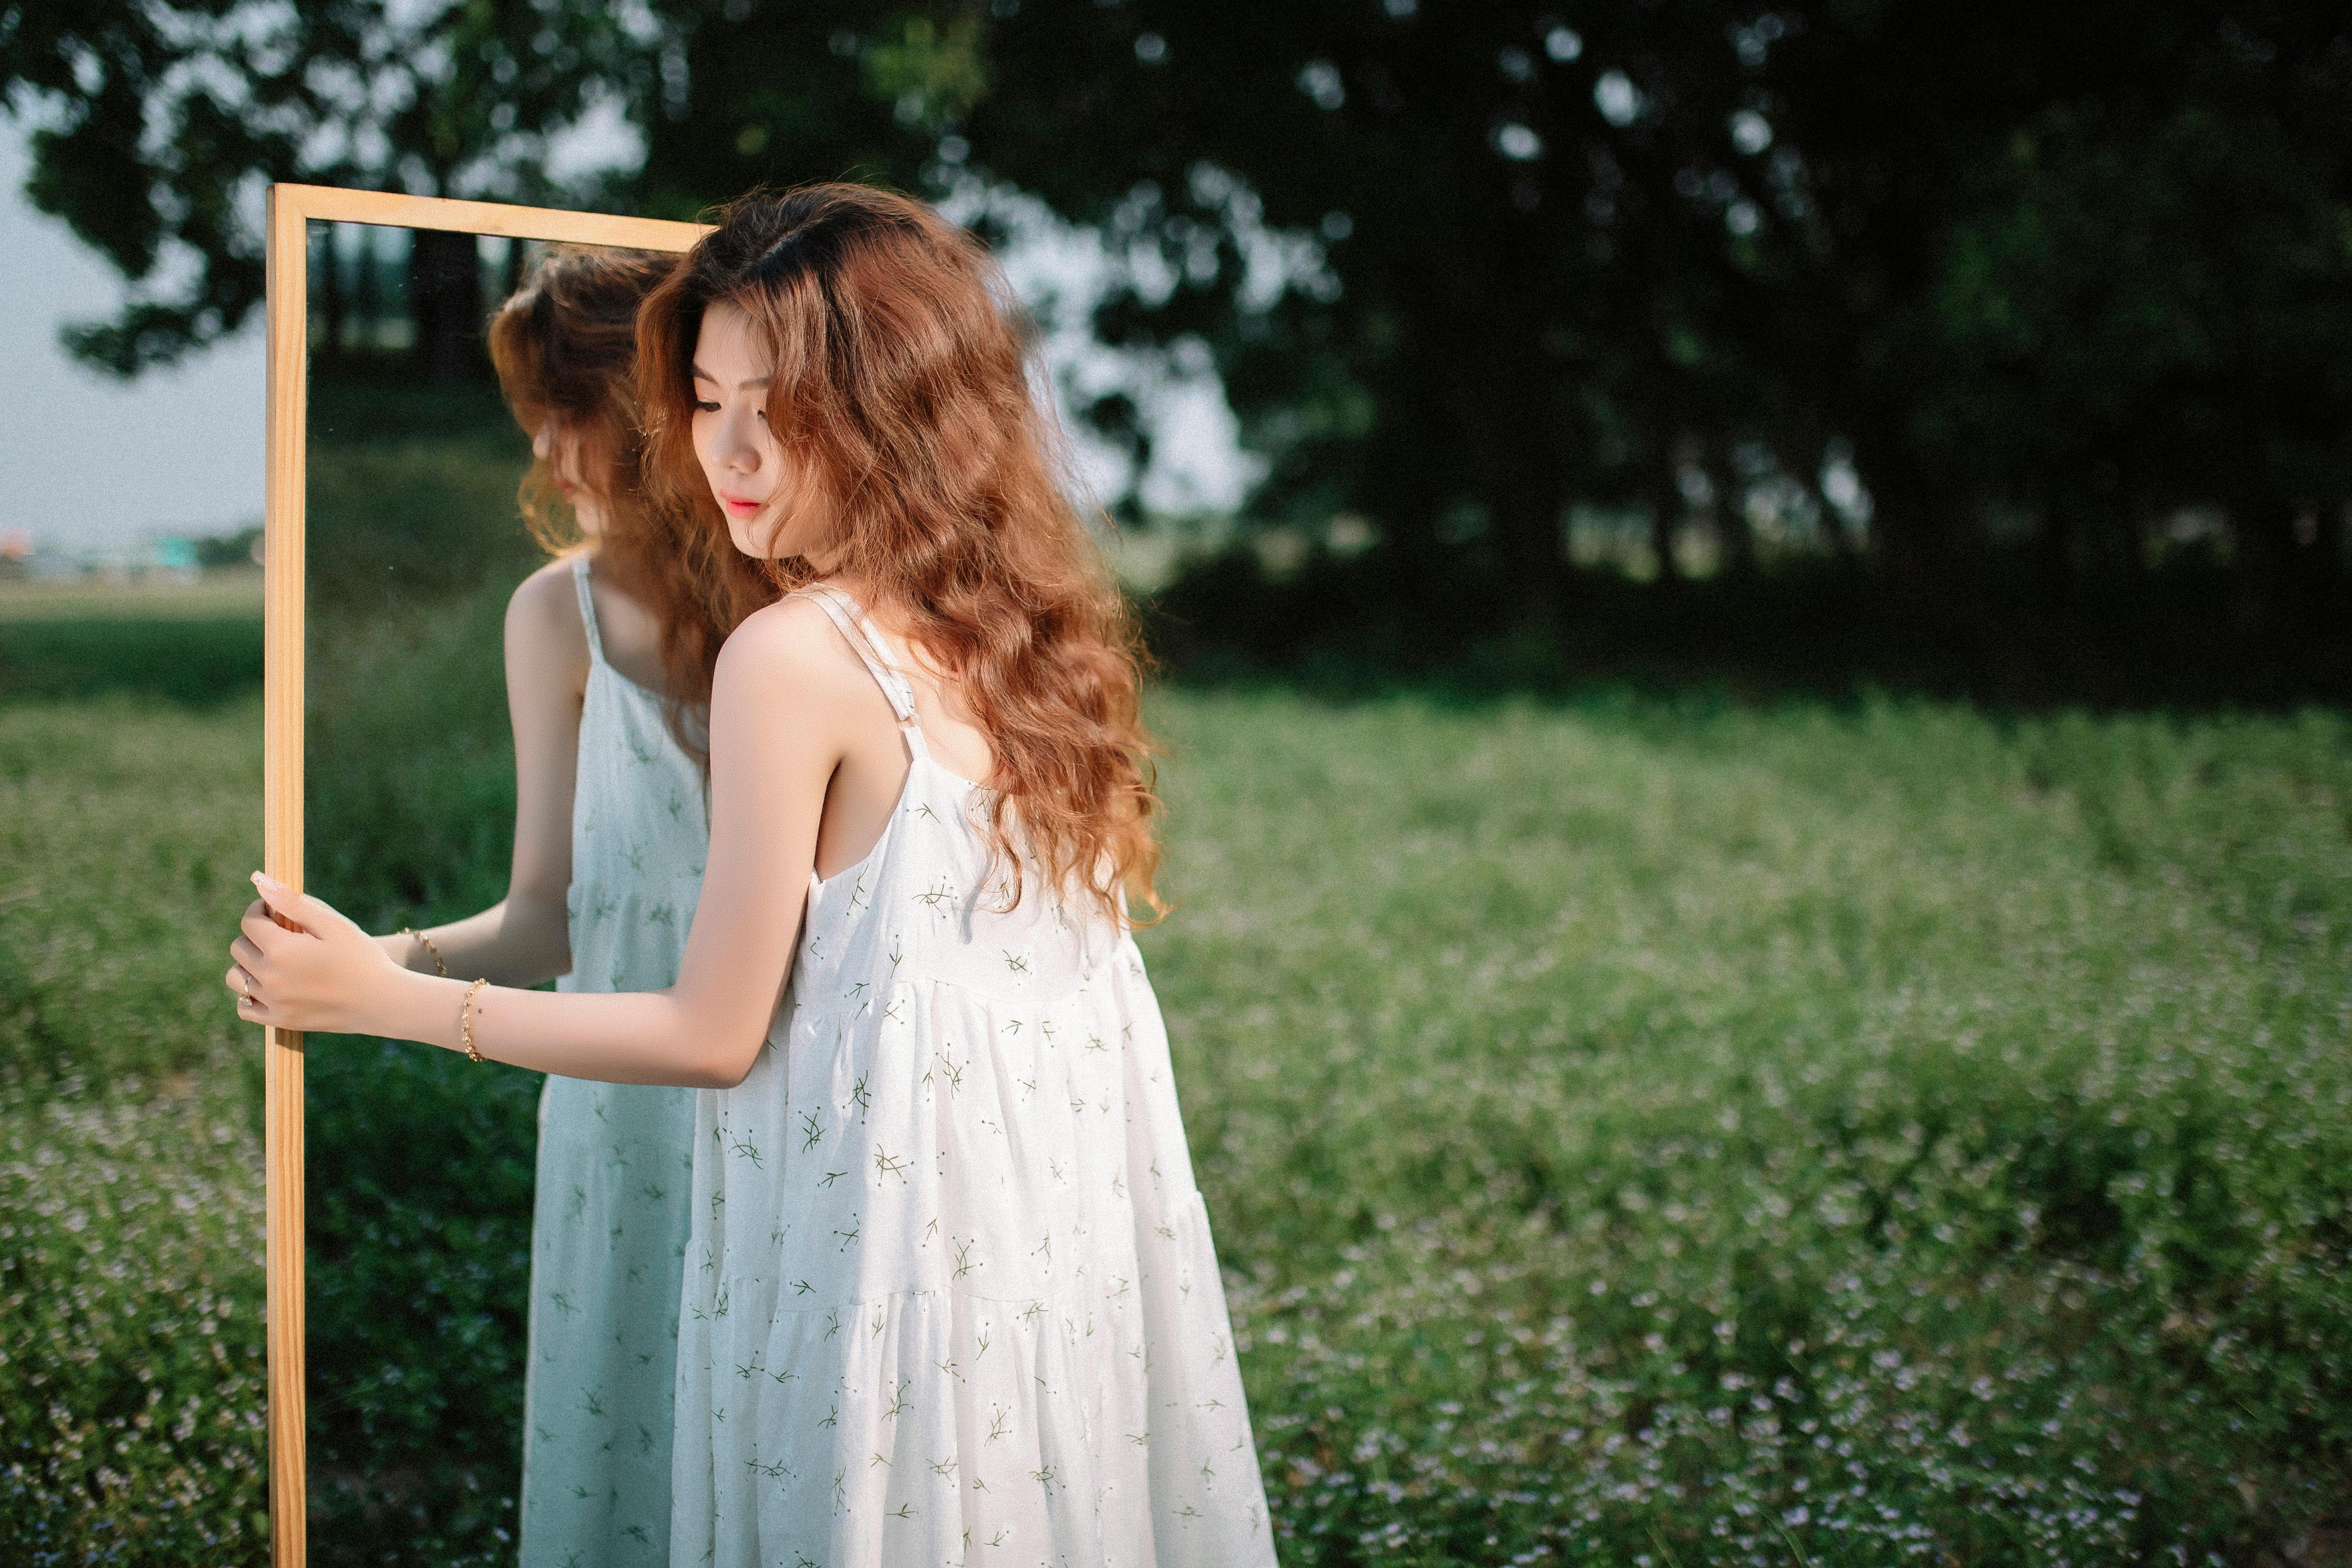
2049,277
2055,272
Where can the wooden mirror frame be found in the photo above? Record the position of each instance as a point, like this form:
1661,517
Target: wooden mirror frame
292,208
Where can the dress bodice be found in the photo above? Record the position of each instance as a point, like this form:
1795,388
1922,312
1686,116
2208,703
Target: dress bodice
640,830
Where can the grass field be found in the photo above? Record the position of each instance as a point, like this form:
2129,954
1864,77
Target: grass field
224,594
193,644
130,1171
1639,1129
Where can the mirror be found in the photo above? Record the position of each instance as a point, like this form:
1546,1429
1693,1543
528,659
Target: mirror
394,543
420,1174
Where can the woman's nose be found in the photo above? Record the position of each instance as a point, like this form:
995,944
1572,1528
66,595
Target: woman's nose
739,447
541,444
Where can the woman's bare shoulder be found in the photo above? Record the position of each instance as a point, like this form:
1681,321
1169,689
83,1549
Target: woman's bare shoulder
792,641
543,614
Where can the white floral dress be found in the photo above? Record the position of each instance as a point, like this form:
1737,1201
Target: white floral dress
950,1296
615,1161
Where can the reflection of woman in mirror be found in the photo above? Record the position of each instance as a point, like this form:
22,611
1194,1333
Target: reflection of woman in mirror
950,1282
609,651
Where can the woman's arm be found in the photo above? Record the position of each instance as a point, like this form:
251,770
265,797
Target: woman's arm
788,700
526,937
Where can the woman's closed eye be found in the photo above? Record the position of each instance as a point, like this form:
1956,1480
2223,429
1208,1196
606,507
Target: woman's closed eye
703,407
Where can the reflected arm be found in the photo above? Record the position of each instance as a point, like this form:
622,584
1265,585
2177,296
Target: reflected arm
525,937
786,698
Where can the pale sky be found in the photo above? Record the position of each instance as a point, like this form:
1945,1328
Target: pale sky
87,461
90,462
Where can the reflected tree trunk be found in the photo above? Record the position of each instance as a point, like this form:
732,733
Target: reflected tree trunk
1733,531
1839,533
330,290
445,301
1665,514
367,293
2334,546
2264,526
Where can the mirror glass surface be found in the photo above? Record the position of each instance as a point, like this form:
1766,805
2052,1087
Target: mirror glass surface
419,1162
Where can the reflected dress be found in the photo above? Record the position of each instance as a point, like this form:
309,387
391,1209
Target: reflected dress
609,1217
950,1296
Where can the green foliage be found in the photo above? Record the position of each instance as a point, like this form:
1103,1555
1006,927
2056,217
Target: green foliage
132,1381
420,1246
1881,1123
412,498
1899,1128
234,549
933,73
1347,627
196,662
421,1162
1635,1124
420,1222
127,830
155,123
1461,270
826,90
130,1332
2077,269
420,1177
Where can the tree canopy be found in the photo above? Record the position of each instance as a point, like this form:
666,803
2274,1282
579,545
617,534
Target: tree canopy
2043,277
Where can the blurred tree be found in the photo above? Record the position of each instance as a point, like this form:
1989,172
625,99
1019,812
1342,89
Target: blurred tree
2079,265
2076,264
156,127
2047,273
781,95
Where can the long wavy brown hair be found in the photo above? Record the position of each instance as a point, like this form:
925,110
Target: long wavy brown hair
565,345
901,396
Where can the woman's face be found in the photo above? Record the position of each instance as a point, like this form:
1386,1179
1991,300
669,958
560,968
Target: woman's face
559,446
741,459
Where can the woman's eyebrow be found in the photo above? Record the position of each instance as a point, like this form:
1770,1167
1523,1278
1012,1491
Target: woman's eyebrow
702,374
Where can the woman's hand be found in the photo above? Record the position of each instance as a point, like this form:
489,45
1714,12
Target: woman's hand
327,975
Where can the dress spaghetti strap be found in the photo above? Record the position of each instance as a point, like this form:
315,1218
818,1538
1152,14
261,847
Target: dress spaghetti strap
866,642
587,608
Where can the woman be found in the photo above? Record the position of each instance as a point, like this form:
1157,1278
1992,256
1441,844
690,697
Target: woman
609,650
949,1284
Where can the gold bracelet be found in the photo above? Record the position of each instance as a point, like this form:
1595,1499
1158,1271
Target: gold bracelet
466,1019
431,951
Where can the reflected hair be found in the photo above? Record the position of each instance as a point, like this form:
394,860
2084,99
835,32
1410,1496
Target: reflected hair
565,347
902,397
